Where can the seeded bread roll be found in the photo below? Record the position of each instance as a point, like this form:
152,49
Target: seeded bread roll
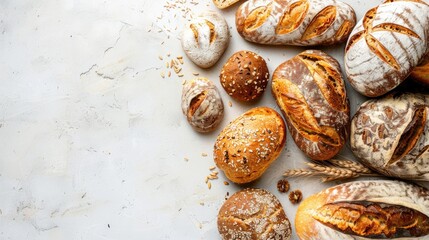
221,4
311,93
245,76
253,214
205,38
249,144
391,135
386,45
295,22
202,104
365,210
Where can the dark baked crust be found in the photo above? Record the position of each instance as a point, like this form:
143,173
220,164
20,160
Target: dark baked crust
310,91
245,76
253,214
249,144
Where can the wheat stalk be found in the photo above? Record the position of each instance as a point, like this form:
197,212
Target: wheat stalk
331,170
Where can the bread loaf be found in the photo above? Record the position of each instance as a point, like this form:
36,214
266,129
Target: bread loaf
386,45
205,38
295,22
245,76
365,210
221,4
249,144
202,104
253,214
391,135
310,91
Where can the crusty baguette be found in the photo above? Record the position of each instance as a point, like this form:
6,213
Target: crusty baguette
365,210
249,144
295,22
205,38
386,45
311,93
391,135
253,214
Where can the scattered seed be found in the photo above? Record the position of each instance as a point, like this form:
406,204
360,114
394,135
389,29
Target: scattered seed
186,159
225,183
169,73
162,74
209,185
180,75
212,168
230,104
195,73
160,58
204,154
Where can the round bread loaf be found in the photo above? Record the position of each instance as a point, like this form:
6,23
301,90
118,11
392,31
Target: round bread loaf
245,76
253,214
249,144
202,104
365,210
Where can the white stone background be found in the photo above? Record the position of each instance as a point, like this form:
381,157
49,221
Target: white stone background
93,140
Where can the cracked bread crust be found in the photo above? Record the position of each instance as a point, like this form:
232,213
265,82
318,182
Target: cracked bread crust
253,214
249,144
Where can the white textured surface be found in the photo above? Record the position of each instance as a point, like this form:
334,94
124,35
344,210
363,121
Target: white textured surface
91,136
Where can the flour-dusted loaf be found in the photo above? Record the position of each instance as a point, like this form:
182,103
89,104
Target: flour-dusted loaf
253,214
205,38
295,22
365,210
245,76
249,144
202,104
221,4
391,135
386,45
310,91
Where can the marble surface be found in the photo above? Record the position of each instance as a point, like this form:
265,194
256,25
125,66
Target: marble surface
92,139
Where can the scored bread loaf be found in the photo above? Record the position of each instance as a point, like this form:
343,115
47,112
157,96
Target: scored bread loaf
202,104
391,135
386,45
253,214
311,93
295,22
365,210
249,144
420,73
245,76
221,4
205,38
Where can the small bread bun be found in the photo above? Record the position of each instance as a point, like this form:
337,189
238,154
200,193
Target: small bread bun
245,76
249,144
202,104
253,214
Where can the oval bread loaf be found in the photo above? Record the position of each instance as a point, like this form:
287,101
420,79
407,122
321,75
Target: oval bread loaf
386,45
295,22
202,104
249,144
311,93
205,38
420,73
245,76
365,210
253,214
391,135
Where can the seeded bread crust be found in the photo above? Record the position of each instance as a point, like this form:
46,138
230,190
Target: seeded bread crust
249,144
253,214
245,76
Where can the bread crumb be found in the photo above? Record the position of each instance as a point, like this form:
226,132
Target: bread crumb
295,196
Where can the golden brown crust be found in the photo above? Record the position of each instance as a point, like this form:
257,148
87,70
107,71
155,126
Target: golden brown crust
245,76
221,4
249,144
311,93
253,214
420,73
